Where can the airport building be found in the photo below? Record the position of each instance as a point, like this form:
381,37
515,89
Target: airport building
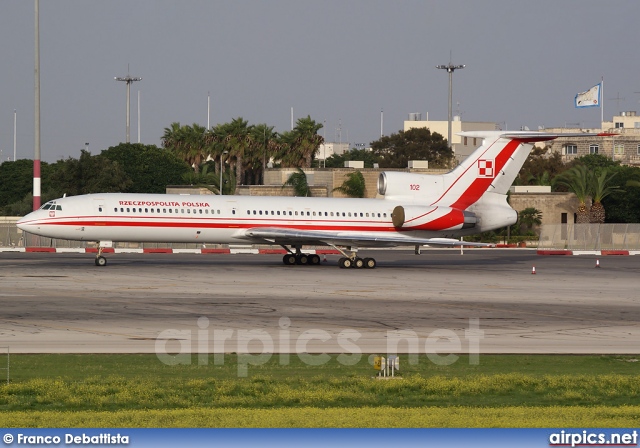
624,146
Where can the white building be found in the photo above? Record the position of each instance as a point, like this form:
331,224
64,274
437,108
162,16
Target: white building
328,149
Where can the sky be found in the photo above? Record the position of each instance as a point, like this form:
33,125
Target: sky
339,61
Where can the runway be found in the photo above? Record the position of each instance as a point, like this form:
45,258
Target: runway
440,301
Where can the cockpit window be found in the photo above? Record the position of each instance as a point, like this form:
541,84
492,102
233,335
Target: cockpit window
58,207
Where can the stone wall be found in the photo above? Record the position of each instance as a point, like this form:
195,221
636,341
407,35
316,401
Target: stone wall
552,205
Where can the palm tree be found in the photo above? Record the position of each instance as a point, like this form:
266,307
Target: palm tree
577,180
190,143
265,145
301,144
530,217
235,137
601,187
354,186
298,180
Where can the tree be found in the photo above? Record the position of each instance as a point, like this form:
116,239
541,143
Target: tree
150,168
298,180
337,160
529,218
265,145
300,145
601,187
395,150
235,137
190,143
354,186
577,180
540,168
89,174
624,205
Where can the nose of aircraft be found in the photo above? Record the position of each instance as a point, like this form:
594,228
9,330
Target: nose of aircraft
23,223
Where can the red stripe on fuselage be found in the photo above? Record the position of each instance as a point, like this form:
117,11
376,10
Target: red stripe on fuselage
221,225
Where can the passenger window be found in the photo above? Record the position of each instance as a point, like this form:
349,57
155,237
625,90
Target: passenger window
349,214
278,212
121,210
201,211
314,213
260,212
233,212
115,209
170,211
164,210
290,213
188,210
308,213
151,210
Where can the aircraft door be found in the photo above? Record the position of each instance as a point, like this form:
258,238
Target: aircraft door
98,206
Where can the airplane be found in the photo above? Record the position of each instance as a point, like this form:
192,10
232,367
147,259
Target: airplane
412,209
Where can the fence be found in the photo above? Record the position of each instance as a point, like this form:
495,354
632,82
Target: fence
590,237
552,236
11,236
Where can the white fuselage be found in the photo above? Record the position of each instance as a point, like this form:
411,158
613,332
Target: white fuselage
209,219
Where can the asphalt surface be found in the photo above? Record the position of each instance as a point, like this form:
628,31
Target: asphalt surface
485,301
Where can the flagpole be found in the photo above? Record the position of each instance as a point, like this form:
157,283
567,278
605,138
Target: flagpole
601,103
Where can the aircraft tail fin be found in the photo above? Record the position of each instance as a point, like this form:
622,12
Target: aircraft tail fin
493,166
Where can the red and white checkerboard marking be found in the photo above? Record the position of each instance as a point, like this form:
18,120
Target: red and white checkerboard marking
486,168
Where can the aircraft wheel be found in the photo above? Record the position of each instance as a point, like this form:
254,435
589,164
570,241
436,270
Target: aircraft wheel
289,259
302,259
101,261
314,259
345,262
358,263
370,263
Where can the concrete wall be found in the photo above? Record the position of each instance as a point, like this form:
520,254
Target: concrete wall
187,189
274,190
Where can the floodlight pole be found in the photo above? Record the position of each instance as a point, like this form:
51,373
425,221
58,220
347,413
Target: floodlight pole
36,158
128,79
450,69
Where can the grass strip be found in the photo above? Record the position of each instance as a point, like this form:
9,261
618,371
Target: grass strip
312,417
513,389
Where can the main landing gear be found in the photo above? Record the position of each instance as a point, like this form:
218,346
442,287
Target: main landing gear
300,258
353,261
357,262
347,261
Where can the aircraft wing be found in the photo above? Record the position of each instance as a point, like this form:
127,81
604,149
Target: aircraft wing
285,236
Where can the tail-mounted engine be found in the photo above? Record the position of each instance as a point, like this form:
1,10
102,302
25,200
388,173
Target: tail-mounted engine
433,218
